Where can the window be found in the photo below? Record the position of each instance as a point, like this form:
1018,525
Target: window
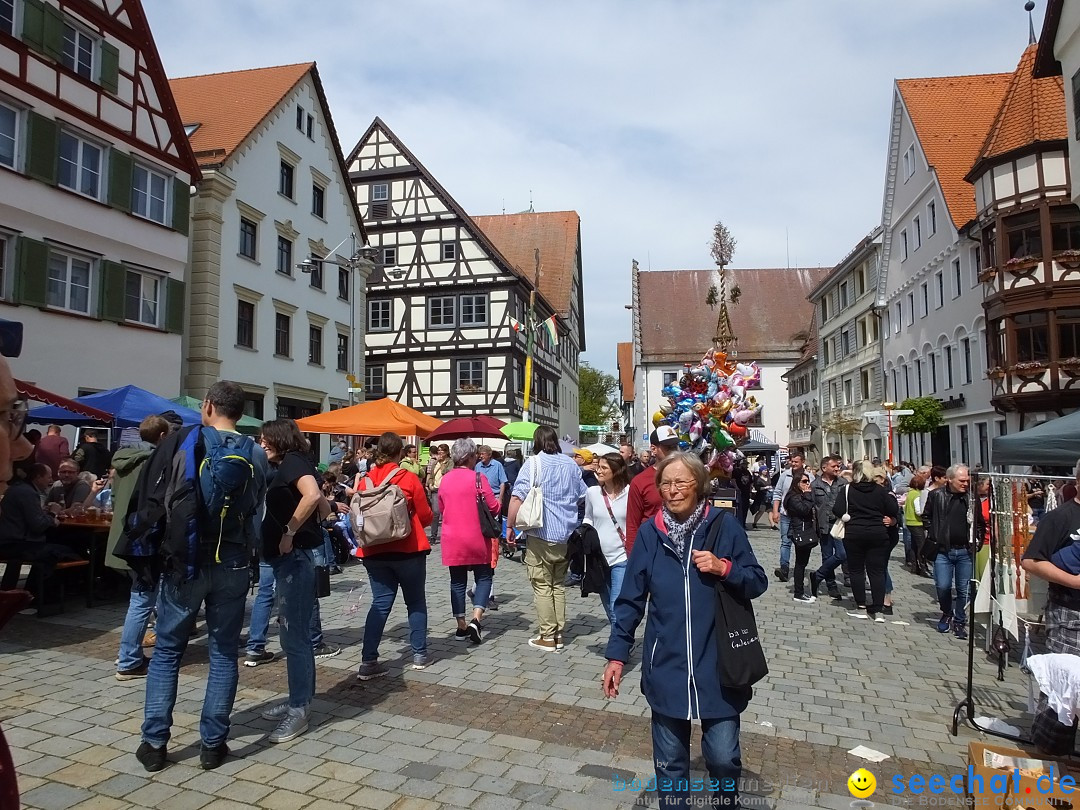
896,383
933,373
898,318
931,217
939,286
848,392
441,311
142,298
285,180
918,232
887,319
1023,235
1065,228
149,193
862,334
80,165
964,444
1031,337
948,367
9,133
965,349
315,345
375,381
984,444
318,200
284,256
669,378
380,315
845,344
282,337
924,300
909,162
342,352
7,16
248,230
1076,116
907,382
824,309
310,128
69,283
78,51
1068,328
245,324
918,376
976,266
470,376
843,295
903,245
860,281
299,118
474,310
1002,427
911,308
315,277
957,286
864,382
449,251
827,346
389,256
380,192
343,283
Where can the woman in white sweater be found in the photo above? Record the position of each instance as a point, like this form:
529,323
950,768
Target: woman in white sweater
605,511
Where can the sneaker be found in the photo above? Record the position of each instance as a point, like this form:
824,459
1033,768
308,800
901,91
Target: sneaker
276,712
256,657
558,641
422,661
847,581
492,604
858,613
461,634
134,673
959,631
149,639
152,759
474,633
944,623
815,582
325,650
834,593
291,726
887,610
541,643
210,758
879,618
804,598
781,574
371,669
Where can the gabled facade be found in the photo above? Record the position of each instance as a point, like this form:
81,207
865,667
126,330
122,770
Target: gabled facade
929,291
1059,55
274,192
804,406
448,288
625,375
95,172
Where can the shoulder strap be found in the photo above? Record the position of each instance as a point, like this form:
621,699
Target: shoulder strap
611,514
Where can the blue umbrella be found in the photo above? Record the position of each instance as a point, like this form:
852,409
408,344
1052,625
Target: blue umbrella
129,404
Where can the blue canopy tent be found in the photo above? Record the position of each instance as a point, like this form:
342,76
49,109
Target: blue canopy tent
128,404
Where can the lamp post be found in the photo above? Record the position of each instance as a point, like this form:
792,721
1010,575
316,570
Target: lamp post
360,259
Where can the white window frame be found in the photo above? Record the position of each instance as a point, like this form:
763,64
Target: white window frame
924,300
473,321
975,266
380,314
898,321
318,192
380,192
447,312
370,372
69,257
939,289
157,281
389,256
931,217
16,135
909,162
903,244
83,144
77,33
299,118
448,252
911,309
958,275
151,174
473,367
14,16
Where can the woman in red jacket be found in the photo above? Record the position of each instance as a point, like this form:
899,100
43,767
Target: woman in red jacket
398,564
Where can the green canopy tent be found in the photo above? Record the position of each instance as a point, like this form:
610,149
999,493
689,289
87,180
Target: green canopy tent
1052,444
247,424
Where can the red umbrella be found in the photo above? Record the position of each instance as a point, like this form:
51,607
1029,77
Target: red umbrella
480,427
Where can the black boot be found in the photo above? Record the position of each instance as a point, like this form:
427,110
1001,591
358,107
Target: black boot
781,574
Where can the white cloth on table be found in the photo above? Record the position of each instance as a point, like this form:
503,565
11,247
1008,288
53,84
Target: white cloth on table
1058,676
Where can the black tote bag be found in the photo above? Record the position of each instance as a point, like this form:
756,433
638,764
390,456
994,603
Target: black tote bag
740,658
489,525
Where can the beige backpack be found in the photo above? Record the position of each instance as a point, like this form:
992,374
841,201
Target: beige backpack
380,514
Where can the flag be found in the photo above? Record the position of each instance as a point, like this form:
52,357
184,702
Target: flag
516,325
553,333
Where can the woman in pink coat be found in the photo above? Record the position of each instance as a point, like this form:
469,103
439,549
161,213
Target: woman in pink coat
464,547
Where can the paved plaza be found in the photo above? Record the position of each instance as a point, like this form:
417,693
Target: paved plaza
495,726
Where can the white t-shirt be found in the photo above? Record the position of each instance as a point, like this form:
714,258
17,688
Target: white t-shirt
596,515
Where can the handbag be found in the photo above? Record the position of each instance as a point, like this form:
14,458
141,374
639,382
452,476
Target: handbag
489,524
840,524
531,513
611,514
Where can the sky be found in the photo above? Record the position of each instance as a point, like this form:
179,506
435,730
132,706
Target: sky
652,119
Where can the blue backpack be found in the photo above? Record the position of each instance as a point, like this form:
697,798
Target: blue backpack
226,485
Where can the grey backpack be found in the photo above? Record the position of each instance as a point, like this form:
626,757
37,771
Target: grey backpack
380,514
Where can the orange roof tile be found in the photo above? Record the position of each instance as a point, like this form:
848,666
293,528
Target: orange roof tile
1032,111
951,116
229,106
624,353
555,233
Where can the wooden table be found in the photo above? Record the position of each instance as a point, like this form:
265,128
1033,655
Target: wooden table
97,531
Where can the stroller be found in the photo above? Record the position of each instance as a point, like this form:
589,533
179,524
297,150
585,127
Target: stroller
511,551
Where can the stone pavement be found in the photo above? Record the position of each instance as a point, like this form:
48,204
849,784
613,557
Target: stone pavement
495,726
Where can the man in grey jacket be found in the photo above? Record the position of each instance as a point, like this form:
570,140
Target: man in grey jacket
826,488
779,513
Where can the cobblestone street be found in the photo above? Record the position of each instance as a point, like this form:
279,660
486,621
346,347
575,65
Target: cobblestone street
496,726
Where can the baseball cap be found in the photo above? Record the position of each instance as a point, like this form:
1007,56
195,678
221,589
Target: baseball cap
664,436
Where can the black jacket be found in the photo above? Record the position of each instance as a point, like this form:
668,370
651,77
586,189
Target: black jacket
803,515
22,518
587,559
867,503
941,504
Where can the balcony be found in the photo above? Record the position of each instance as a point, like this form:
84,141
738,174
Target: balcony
1036,386
800,435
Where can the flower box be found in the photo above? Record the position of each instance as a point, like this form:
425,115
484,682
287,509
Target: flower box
1029,367
1021,264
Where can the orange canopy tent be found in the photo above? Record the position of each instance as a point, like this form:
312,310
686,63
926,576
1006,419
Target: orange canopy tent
371,419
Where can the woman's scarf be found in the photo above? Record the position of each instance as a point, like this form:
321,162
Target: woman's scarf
682,532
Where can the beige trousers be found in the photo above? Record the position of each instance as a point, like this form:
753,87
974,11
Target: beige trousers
547,564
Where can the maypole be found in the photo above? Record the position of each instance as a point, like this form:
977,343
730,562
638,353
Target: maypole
530,337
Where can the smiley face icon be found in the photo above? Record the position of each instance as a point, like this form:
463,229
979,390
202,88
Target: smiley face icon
861,783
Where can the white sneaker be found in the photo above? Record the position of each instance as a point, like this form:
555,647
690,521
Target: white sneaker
858,614
292,725
879,618
805,598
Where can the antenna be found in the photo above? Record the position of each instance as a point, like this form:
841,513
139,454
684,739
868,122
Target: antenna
1029,6
787,247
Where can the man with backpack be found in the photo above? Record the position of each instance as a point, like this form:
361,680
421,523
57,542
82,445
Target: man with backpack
201,490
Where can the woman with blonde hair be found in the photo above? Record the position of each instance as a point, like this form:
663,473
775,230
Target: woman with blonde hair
871,510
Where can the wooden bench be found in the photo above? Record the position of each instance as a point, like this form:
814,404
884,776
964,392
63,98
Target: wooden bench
53,609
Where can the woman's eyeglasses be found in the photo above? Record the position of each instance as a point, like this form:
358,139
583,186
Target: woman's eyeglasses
682,486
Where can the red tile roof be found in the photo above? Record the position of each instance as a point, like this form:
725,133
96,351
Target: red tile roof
555,233
625,361
951,116
770,319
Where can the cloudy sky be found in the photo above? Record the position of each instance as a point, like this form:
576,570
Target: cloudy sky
651,119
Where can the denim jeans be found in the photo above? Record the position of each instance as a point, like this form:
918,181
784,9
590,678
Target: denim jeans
955,565
141,604
671,756
459,580
263,606
222,586
385,577
833,555
611,588
785,541
294,574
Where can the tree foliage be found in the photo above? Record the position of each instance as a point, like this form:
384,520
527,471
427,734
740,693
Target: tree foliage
926,419
722,245
842,424
596,396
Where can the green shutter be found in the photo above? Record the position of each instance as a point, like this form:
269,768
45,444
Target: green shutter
181,205
33,30
109,75
113,287
32,273
120,180
53,33
174,306
43,142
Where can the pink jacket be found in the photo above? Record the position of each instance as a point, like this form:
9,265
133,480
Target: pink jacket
460,537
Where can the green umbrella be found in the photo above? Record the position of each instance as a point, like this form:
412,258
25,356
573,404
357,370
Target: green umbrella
247,424
522,431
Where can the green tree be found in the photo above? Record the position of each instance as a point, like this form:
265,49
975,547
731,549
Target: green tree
596,396
926,419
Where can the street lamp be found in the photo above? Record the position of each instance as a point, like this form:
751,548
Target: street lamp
364,258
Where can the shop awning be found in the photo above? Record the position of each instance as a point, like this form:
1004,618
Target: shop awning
31,391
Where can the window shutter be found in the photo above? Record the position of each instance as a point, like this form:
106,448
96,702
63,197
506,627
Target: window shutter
174,306
120,180
113,287
53,33
181,206
43,148
33,29
109,75
32,273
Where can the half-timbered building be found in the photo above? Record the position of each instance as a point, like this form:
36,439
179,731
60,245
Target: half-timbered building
95,178
448,303
274,193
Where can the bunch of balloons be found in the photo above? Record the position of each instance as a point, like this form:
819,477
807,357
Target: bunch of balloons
708,406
